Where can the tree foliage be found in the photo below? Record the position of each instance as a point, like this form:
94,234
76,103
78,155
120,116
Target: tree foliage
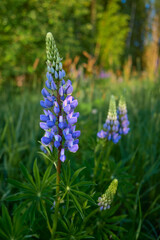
113,29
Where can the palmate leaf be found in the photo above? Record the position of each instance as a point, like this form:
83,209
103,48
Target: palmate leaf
69,230
36,174
77,205
84,195
76,174
13,228
34,191
70,185
26,174
112,235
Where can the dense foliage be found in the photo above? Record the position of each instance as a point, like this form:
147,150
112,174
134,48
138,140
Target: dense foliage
134,161
114,27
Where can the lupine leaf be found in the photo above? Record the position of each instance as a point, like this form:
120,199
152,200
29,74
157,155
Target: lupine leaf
51,179
83,183
140,221
68,173
114,227
84,195
3,234
31,212
112,210
67,204
105,236
64,176
64,224
45,156
18,196
19,184
116,219
75,175
77,205
46,175
112,235
6,219
36,174
27,175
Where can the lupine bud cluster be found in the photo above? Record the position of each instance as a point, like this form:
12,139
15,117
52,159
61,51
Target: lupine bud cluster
111,125
122,117
59,117
116,123
106,199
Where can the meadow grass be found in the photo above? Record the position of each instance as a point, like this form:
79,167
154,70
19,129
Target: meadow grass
134,161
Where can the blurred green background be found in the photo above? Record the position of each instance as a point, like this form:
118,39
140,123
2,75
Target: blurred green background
108,47
120,36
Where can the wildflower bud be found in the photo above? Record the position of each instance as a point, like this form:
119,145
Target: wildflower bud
49,45
60,66
57,68
58,59
48,62
107,198
52,53
112,113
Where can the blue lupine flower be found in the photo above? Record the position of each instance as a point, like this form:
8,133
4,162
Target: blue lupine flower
59,117
111,125
43,149
62,156
122,117
102,134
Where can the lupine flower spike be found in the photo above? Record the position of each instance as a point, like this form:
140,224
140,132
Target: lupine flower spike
107,198
59,118
122,117
111,125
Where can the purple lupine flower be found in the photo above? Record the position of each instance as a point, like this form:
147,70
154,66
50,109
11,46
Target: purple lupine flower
59,117
122,117
62,156
111,125
102,134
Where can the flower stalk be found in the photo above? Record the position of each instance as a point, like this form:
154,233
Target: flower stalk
55,219
59,118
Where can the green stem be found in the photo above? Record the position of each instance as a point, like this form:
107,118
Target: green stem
97,161
55,219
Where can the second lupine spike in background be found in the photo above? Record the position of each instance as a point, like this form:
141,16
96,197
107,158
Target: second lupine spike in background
123,117
111,124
